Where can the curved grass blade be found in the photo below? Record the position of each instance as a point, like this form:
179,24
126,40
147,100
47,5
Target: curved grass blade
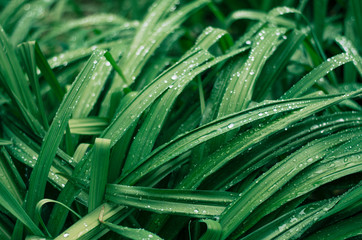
257,15
68,194
276,63
156,31
16,85
206,132
131,233
267,184
345,229
27,155
48,73
38,178
240,89
213,229
96,20
93,88
267,151
89,226
159,110
40,205
348,47
294,223
311,78
198,204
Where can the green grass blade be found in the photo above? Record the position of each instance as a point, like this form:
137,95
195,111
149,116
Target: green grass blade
213,231
99,172
28,59
140,51
31,15
198,204
10,10
312,77
206,132
89,226
68,194
277,63
268,183
54,135
28,155
285,227
15,83
8,201
240,89
10,177
131,233
48,73
271,148
88,126
319,17
345,229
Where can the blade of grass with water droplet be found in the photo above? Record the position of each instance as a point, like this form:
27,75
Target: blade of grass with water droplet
276,177
320,71
31,15
268,150
96,20
159,110
38,178
277,63
206,132
349,48
198,204
89,226
345,229
240,89
294,223
27,155
156,29
129,114
131,233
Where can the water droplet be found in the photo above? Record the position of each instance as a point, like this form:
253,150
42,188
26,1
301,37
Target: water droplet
174,77
66,235
196,211
231,125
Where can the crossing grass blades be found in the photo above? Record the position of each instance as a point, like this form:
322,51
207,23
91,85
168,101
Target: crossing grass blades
180,119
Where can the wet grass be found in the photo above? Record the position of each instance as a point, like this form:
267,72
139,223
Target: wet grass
180,120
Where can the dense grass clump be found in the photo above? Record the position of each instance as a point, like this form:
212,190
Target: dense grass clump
173,119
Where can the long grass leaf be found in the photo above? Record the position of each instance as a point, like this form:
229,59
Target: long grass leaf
54,135
99,172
